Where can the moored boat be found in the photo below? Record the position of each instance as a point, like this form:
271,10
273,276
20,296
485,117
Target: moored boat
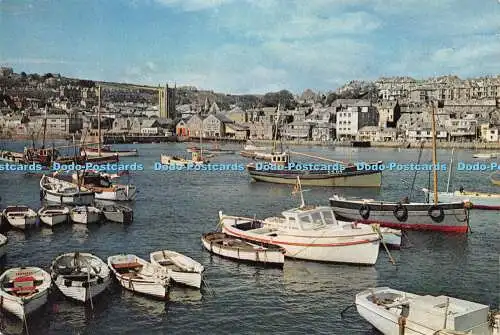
103,187
64,192
485,155
282,171
446,217
230,247
196,159
310,234
395,312
137,275
117,213
85,214
21,217
179,268
107,151
53,214
24,290
80,276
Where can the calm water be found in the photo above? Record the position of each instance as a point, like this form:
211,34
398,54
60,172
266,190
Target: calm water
173,209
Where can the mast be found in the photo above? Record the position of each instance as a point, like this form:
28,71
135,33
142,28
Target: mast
44,127
434,156
99,120
276,128
449,173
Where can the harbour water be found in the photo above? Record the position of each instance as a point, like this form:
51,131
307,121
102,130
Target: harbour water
174,208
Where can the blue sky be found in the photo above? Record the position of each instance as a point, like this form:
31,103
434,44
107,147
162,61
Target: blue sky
243,46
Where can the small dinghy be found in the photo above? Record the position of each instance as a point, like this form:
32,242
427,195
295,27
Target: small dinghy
24,290
137,275
3,245
85,214
80,276
21,217
179,268
395,312
226,246
117,213
53,214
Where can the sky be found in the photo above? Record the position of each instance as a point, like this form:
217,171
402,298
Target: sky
251,47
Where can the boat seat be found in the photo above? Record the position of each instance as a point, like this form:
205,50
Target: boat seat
131,265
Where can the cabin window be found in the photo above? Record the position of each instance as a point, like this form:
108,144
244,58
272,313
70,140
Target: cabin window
292,223
317,219
328,217
306,222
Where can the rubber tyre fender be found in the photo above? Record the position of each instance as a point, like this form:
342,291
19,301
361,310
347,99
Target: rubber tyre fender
438,218
364,211
401,213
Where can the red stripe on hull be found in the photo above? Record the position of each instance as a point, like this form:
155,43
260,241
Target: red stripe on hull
269,241
417,226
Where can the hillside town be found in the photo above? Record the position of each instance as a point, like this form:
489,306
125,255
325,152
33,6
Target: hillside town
394,109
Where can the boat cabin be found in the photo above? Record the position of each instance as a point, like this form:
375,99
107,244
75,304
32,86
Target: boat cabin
307,218
280,158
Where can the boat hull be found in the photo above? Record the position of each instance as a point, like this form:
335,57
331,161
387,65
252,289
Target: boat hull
426,321
454,216
153,289
362,250
112,153
308,178
85,217
121,193
192,279
120,217
270,257
76,290
21,307
53,219
190,273
22,223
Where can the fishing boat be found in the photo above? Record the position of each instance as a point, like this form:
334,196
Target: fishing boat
24,290
3,245
80,276
485,155
179,268
137,275
180,161
445,217
64,192
21,217
230,247
117,213
107,151
53,214
395,312
250,146
310,233
104,188
85,214
436,216
281,171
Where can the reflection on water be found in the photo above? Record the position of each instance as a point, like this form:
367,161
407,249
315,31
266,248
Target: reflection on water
184,295
301,277
75,315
